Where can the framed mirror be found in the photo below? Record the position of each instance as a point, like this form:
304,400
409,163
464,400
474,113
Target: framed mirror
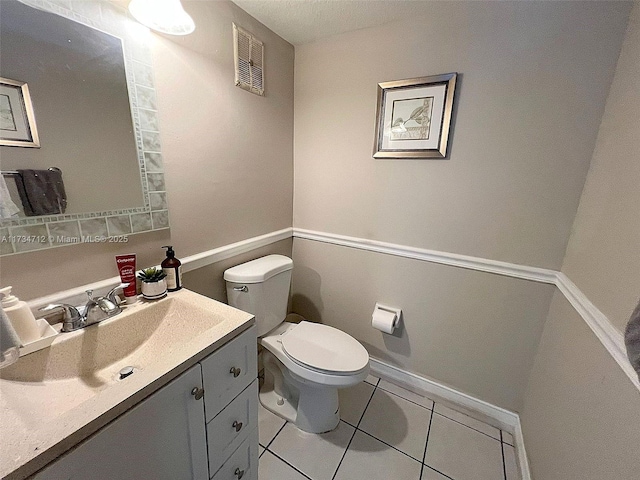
82,73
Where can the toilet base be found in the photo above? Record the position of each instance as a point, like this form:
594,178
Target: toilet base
313,408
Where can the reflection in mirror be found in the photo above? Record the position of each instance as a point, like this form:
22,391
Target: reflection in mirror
76,77
98,169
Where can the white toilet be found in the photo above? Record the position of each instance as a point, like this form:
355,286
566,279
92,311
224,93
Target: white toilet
304,363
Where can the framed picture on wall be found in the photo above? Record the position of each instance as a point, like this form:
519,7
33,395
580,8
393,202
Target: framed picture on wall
17,121
414,117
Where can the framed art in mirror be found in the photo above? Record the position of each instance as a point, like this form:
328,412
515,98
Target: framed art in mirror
17,121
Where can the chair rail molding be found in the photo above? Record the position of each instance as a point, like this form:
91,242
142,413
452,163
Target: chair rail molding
601,326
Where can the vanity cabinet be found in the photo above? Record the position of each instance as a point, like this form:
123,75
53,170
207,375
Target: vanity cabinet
165,436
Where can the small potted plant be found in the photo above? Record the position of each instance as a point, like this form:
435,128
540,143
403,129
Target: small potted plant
154,286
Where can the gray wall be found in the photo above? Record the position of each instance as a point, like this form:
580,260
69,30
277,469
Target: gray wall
581,413
602,256
228,155
475,331
535,78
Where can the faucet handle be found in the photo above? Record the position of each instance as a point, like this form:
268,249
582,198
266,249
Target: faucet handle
111,294
72,320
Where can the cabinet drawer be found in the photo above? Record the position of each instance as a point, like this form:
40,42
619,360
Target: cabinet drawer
243,464
228,371
232,426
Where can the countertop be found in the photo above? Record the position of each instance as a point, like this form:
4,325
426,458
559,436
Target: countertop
40,419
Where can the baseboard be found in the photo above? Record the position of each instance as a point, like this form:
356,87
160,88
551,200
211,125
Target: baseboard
521,453
497,416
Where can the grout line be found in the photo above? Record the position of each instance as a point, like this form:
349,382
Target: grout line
411,401
354,432
292,466
465,425
274,437
389,445
426,442
438,471
504,465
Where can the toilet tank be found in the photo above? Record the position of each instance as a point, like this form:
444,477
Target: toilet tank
261,287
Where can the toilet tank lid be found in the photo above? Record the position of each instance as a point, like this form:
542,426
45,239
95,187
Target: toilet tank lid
258,270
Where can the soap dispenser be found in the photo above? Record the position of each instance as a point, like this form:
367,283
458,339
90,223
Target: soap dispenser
172,267
20,316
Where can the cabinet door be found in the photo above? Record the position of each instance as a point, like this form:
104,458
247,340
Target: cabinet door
229,370
161,438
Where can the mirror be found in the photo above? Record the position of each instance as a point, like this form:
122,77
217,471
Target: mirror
97,171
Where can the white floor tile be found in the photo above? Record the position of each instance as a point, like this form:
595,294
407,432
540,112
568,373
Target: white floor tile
397,422
353,401
268,425
373,380
430,474
404,393
510,463
316,455
370,459
463,453
272,468
507,438
467,420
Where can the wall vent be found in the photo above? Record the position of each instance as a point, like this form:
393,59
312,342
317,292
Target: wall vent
249,59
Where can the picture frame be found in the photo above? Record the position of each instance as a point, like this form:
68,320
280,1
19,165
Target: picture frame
413,118
17,120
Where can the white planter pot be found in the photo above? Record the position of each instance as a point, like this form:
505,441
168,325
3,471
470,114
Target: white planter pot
154,290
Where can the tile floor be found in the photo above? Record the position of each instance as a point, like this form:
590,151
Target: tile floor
387,433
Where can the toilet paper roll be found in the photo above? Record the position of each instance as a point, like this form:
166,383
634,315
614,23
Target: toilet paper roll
384,321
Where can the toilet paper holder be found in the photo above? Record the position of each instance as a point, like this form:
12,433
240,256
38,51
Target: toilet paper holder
385,308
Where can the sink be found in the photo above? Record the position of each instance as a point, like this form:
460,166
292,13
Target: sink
76,380
89,360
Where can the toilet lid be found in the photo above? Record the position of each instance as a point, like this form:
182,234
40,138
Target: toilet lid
324,348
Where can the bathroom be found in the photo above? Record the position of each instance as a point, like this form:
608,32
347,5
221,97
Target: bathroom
514,259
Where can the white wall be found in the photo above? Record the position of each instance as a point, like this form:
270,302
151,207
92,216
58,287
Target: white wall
228,155
534,81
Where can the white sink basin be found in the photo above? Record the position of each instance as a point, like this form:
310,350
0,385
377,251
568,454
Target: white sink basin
47,397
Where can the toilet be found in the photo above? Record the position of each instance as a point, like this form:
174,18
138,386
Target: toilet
304,363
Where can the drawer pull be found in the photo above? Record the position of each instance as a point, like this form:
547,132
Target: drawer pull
239,473
235,371
197,392
237,425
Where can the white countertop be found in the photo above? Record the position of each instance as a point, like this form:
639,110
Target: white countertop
45,411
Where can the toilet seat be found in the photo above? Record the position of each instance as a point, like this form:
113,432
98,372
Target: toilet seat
272,341
324,349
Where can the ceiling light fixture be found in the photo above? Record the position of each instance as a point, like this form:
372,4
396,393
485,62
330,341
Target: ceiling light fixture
164,16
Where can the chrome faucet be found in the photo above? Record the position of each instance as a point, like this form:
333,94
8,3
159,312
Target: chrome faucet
95,311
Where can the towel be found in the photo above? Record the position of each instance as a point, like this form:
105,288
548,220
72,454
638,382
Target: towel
42,192
8,209
9,341
632,339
